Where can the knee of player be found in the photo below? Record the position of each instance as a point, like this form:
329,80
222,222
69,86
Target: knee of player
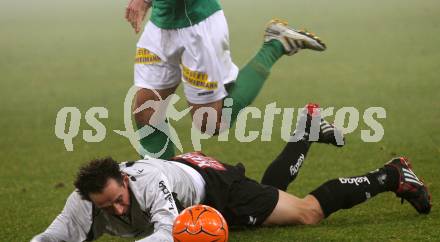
312,212
311,217
142,117
148,117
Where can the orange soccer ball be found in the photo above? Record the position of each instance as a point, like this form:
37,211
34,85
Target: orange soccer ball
200,223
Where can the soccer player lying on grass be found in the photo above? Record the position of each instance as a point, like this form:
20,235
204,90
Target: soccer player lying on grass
142,198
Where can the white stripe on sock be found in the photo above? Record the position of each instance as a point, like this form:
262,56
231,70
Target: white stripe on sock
327,130
326,126
409,173
413,181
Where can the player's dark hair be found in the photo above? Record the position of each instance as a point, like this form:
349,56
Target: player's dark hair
93,176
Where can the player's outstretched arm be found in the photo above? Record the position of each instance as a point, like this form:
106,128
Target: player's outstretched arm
159,197
135,13
72,224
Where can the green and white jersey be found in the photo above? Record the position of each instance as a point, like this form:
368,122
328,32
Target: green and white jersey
174,14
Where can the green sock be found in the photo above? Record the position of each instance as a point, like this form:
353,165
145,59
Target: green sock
155,142
252,76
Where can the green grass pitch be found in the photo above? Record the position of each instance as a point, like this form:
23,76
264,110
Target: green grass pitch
80,53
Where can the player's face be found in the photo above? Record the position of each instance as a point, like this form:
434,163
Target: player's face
114,198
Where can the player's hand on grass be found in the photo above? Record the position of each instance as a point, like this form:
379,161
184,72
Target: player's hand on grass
135,13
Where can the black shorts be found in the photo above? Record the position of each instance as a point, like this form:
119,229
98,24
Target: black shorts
241,200
250,203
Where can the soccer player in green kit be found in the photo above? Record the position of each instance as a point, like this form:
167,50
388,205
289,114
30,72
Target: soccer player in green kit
188,41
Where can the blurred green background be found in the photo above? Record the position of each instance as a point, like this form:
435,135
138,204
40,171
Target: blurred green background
80,53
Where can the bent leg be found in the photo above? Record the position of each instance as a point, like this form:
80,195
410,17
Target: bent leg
284,169
155,142
336,194
245,89
294,210
252,76
208,71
